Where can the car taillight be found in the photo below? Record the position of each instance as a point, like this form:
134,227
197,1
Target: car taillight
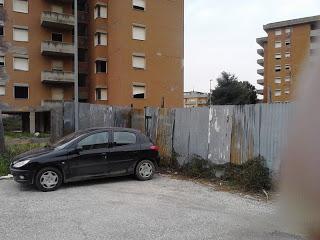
154,148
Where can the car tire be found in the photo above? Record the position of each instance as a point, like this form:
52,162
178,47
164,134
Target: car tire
145,170
48,179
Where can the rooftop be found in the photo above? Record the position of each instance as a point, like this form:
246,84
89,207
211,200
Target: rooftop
292,22
194,94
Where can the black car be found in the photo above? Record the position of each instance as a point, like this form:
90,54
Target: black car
88,154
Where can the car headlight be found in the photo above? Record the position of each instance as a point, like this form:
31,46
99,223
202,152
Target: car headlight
21,164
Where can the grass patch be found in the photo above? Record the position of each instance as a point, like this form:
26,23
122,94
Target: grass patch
13,151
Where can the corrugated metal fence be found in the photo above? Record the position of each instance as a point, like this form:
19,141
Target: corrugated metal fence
221,134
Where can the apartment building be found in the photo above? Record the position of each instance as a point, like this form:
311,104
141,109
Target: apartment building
195,99
130,52
288,46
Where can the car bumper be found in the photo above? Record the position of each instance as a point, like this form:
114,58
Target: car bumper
22,176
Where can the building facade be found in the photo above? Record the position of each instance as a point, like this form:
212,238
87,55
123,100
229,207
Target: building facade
288,46
130,52
195,99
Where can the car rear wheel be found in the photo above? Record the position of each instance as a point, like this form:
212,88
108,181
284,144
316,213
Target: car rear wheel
48,179
145,170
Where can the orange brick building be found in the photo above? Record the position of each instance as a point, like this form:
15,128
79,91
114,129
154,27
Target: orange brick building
130,52
288,46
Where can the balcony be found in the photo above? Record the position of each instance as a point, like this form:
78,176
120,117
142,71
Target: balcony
260,62
52,48
260,72
261,41
260,52
57,77
260,91
315,33
57,20
260,81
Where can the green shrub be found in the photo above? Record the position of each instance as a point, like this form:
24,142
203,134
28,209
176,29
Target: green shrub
198,167
11,152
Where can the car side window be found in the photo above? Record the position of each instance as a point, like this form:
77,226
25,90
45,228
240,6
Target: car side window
95,141
124,138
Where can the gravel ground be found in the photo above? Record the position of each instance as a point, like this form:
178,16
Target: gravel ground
124,208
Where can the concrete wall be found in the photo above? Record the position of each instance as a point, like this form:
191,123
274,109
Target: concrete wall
221,134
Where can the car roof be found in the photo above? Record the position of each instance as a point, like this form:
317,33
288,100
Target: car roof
88,130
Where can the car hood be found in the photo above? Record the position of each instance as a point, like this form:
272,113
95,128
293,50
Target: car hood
35,153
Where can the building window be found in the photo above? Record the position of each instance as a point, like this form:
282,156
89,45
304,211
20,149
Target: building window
21,6
138,62
100,39
277,56
277,92
100,11
139,32
287,79
101,66
1,30
288,30
277,68
287,91
1,3
57,65
277,80
287,54
139,4
2,61
139,91
57,37
278,44
288,43
21,64
21,92
20,34
278,32
101,94
2,90
288,67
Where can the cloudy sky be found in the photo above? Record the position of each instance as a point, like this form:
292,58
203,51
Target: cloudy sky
221,35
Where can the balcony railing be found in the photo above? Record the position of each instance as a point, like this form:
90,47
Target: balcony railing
260,81
260,91
260,62
260,72
57,77
57,20
260,52
315,33
52,48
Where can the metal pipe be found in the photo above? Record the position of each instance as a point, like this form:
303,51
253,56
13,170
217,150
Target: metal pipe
76,66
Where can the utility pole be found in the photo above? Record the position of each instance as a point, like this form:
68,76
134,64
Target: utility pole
210,100
76,66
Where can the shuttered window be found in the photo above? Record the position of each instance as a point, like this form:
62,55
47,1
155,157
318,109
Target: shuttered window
139,91
100,39
2,61
100,11
20,34
101,94
21,64
138,33
2,91
139,4
21,6
138,62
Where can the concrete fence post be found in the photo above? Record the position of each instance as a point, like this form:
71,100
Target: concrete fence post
2,143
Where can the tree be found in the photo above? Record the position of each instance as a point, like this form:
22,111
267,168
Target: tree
231,91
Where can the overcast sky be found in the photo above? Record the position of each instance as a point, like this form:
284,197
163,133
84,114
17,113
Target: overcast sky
221,35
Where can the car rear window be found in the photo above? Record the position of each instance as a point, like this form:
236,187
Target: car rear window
124,138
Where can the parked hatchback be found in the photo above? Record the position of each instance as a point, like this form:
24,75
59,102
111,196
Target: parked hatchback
88,154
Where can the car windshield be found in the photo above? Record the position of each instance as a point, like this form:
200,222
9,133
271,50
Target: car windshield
65,140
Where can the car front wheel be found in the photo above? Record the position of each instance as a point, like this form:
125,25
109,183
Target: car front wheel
145,170
48,179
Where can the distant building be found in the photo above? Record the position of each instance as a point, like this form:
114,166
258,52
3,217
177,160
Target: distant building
288,45
195,99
